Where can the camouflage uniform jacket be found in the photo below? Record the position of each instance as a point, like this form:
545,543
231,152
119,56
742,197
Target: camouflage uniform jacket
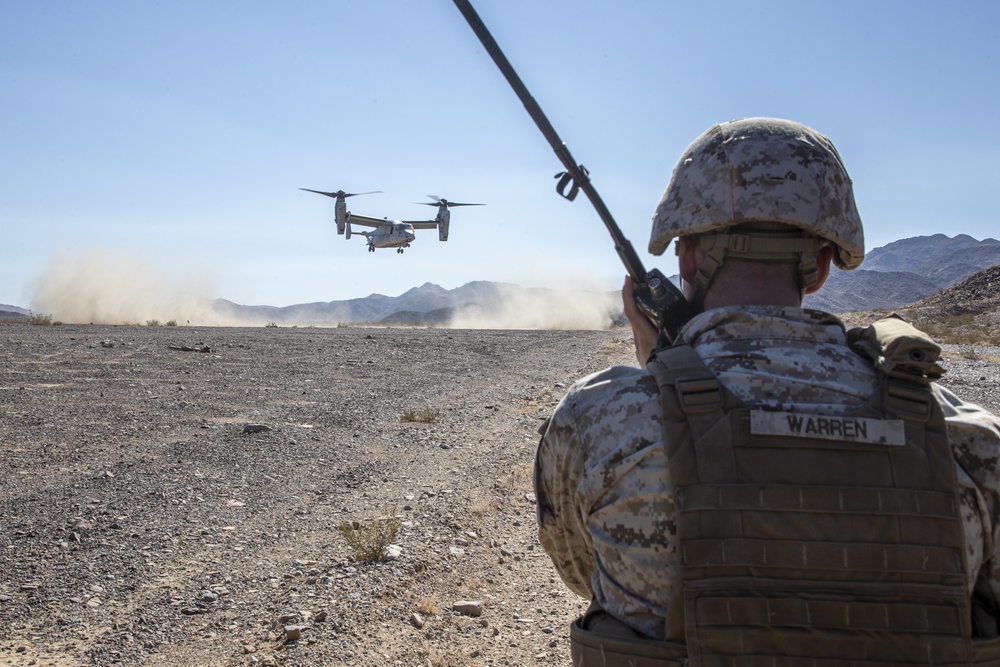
605,508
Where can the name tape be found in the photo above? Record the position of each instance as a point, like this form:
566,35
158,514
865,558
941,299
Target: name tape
824,427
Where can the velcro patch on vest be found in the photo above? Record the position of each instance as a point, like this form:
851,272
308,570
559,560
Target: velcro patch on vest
827,427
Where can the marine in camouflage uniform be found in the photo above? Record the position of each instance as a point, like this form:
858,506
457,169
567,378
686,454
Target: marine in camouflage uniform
603,486
605,496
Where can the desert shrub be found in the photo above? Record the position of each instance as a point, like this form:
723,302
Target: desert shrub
428,608
38,319
370,541
171,323
482,508
271,325
425,416
152,323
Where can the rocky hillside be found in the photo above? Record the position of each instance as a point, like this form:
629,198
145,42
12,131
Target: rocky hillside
969,312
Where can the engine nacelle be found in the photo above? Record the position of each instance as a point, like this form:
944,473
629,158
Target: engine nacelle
347,228
341,213
444,219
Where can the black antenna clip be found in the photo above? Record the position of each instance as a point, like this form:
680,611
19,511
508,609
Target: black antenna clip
567,178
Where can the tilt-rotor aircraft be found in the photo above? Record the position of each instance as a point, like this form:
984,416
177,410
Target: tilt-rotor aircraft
387,233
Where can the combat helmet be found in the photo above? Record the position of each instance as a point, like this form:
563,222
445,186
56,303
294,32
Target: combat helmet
761,170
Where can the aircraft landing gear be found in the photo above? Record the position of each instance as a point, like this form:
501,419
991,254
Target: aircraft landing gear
371,248
399,250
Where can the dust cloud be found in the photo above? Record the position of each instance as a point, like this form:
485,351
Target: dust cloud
552,309
102,286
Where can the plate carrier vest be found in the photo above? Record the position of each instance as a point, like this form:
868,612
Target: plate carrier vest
809,540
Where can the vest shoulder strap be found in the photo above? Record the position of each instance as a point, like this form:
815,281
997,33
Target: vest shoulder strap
690,392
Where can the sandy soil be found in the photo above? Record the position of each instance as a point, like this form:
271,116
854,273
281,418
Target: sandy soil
171,495
142,524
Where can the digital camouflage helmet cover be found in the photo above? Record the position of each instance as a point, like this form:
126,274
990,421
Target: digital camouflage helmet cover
761,170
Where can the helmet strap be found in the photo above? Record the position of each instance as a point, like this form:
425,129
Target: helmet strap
756,246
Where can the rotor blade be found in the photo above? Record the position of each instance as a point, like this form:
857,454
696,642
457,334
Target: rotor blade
441,200
341,193
319,192
447,204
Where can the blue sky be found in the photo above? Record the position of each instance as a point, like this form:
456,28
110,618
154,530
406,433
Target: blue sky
164,143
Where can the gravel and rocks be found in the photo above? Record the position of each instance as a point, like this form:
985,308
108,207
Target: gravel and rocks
172,495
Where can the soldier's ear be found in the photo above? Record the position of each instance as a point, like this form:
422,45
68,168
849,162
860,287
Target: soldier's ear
688,249
823,260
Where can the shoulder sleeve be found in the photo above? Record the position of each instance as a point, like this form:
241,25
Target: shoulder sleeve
974,433
561,526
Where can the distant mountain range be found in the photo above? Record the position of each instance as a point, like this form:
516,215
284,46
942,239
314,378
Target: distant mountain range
478,304
428,303
894,275
13,312
905,271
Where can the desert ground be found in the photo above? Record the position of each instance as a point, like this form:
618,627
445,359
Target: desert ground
172,495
